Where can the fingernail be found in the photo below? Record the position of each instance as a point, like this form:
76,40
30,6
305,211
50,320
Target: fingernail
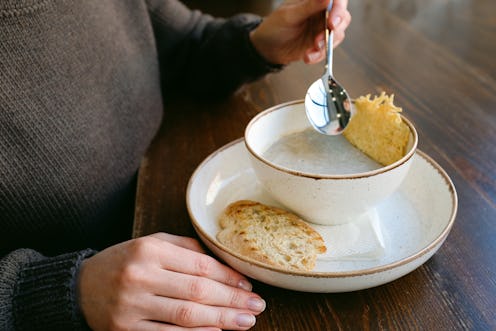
245,320
256,304
313,56
245,285
321,44
335,21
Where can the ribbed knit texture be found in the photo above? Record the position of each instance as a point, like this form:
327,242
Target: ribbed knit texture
10,266
46,295
80,101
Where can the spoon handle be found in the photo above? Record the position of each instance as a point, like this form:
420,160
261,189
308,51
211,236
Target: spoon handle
329,40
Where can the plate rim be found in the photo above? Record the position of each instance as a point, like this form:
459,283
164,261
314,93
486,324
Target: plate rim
327,274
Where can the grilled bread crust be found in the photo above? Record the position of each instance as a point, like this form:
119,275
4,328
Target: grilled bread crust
270,235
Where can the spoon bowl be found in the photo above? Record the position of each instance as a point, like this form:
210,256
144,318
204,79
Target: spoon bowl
328,106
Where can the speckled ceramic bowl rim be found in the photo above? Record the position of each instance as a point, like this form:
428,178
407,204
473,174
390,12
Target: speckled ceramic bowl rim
329,274
294,172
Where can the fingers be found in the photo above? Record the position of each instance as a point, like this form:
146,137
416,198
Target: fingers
339,20
192,314
185,242
153,279
314,57
338,12
303,9
205,291
187,261
156,326
317,53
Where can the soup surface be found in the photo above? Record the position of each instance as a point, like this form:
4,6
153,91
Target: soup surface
311,152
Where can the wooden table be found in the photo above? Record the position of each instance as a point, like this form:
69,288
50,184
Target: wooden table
439,59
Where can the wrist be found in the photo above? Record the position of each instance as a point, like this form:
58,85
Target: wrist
258,49
263,47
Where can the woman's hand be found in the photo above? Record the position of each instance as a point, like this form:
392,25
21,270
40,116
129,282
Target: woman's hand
164,282
295,31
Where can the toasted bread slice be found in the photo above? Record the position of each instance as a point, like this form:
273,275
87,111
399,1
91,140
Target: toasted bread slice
377,129
270,235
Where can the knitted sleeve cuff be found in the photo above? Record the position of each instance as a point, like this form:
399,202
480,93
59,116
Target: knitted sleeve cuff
46,294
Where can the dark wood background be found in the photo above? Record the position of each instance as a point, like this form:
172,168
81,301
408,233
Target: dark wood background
439,59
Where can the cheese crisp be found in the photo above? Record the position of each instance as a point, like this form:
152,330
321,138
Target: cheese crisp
377,129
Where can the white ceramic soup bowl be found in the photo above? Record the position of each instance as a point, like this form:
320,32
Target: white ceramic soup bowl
327,199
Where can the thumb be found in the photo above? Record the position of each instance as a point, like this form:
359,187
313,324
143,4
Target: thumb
338,11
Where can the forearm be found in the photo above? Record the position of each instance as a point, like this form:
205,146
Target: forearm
227,59
208,56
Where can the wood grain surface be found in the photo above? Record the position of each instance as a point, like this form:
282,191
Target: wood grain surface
439,59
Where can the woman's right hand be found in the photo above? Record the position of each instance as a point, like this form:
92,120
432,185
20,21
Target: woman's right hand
164,282
296,30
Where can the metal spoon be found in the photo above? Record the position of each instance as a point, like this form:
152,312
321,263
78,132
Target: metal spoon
327,104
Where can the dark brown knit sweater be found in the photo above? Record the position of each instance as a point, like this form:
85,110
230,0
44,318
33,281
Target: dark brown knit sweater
80,100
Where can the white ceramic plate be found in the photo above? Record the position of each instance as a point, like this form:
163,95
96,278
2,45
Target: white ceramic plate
414,223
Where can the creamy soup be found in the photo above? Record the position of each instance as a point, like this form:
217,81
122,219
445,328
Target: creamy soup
311,152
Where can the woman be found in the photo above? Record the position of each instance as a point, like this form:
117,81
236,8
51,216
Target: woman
81,87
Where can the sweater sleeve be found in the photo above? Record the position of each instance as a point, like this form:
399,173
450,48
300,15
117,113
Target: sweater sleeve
211,57
40,293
